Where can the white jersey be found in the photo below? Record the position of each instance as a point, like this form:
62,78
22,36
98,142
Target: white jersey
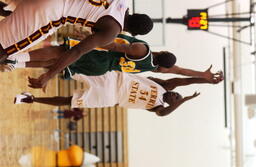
127,90
140,92
99,91
93,10
34,20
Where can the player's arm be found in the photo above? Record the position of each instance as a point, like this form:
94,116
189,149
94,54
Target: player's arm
105,31
163,111
207,74
171,84
158,80
134,50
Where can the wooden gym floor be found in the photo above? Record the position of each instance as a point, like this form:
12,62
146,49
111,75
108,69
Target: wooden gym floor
24,126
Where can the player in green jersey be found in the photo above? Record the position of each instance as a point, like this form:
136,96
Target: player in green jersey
126,54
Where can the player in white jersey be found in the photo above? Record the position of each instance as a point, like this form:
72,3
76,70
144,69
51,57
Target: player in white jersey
126,90
33,20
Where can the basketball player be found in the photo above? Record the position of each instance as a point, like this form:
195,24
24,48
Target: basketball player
98,61
126,90
127,54
34,20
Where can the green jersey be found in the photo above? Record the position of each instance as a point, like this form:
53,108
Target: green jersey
98,62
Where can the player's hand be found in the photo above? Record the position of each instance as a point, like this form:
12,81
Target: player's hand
213,78
208,75
41,82
192,96
218,77
195,94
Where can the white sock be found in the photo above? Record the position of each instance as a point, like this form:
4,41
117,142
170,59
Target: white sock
21,57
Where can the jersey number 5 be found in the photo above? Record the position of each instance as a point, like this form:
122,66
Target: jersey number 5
99,3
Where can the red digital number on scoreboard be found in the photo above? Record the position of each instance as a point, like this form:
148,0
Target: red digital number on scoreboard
197,20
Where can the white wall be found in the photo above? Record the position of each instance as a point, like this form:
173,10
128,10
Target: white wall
194,135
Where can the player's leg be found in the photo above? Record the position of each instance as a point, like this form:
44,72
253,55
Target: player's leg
45,57
55,101
39,58
39,55
46,54
36,64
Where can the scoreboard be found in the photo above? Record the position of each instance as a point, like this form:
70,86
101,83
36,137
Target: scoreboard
197,19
